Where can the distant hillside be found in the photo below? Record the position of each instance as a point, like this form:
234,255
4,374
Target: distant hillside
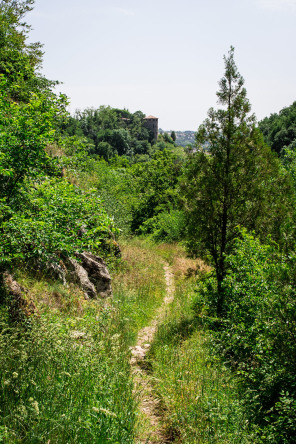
183,138
279,130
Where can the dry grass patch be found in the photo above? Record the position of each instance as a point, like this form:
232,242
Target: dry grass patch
185,266
53,296
140,268
182,264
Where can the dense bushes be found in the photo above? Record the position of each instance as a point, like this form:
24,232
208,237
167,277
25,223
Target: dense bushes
57,219
142,197
256,336
157,196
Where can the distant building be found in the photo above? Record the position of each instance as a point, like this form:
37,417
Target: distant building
151,123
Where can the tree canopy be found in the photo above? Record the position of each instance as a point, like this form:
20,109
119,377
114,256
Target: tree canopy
41,213
110,131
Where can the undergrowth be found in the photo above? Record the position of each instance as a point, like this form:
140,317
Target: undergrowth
197,390
66,376
66,379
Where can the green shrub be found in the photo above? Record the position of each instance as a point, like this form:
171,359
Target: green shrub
57,219
166,226
257,335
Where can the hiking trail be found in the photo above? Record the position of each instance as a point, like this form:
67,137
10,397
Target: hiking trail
149,402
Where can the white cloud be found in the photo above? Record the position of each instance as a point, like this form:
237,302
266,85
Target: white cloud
278,5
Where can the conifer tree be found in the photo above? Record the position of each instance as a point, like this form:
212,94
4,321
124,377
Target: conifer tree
232,179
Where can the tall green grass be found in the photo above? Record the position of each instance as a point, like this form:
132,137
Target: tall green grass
66,379
139,287
198,392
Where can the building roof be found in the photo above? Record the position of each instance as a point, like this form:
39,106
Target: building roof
151,117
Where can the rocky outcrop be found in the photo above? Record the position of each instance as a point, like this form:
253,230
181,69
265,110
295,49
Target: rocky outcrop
87,270
57,271
79,275
91,273
98,273
18,306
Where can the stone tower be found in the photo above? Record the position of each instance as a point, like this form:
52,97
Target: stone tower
151,123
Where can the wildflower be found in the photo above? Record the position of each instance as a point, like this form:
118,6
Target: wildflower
35,406
14,375
105,411
115,337
22,411
77,334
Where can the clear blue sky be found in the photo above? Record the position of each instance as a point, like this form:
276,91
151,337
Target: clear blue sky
165,57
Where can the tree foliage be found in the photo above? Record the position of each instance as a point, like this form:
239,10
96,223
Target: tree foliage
19,60
41,218
156,183
279,130
110,131
26,129
237,180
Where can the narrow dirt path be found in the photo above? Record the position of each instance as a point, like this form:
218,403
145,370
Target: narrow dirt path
149,403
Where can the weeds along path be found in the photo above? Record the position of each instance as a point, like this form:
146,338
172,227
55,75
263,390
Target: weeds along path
149,403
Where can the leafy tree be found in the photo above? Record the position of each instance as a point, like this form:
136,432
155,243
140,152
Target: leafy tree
173,136
26,129
19,61
156,183
237,180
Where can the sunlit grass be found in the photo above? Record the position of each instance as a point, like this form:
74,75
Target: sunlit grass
199,393
139,287
66,376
